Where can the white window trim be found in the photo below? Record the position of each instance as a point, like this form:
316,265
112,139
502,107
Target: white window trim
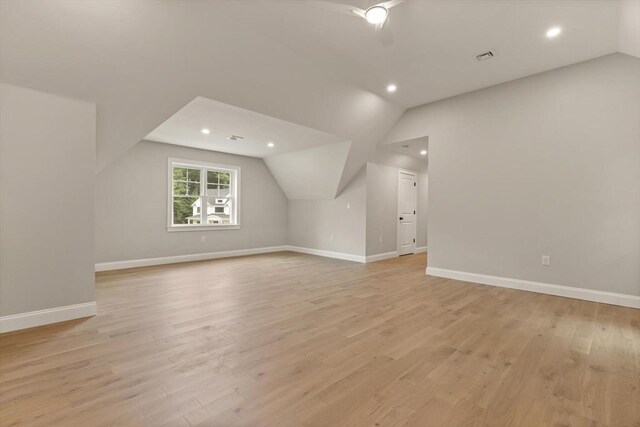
235,170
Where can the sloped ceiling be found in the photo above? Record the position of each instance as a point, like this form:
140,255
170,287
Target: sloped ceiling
141,61
223,120
306,163
310,174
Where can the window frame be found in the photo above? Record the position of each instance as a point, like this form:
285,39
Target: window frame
234,190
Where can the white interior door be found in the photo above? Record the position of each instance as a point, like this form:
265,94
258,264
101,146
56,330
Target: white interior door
407,196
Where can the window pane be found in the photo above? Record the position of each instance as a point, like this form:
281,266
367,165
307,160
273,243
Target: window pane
179,188
219,211
179,173
224,191
224,177
185,210
212,177
194,175
194,188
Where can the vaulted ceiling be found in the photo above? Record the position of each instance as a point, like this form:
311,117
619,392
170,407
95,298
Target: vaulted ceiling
142,61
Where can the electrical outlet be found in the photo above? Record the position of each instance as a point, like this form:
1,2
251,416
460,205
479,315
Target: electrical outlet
348,205
203,238
380,239
546,260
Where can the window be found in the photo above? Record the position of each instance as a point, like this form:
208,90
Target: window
203,195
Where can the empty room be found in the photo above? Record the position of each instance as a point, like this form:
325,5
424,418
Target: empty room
334,213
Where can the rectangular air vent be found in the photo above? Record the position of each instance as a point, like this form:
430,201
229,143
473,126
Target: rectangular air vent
485,56
235,138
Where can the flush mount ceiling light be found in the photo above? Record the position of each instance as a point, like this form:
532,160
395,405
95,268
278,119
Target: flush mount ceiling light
423,152
553,32
376,14
271,145
205,131
391,88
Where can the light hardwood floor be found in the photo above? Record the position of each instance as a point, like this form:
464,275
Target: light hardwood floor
288,339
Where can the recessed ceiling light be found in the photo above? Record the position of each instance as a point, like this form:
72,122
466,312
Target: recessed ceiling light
206,131
553,32
271,145
423,153
391,88
376,14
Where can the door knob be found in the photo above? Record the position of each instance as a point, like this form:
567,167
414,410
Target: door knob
401,218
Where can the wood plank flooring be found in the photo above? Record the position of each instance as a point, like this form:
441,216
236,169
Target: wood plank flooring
288,339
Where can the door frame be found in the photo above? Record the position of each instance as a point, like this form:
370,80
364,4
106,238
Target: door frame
415,203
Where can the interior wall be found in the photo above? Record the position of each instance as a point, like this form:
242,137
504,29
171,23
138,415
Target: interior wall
382,207
423,210
131,207
336,225
544,165
47,177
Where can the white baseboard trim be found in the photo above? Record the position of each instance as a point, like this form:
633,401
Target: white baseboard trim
146,262
420,249
380,257
119,265
542,288
44,317
328,254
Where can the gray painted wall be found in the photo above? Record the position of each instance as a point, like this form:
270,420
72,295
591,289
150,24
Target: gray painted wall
47,174
373,201
548,164
312,223
137,181
382,208
131,207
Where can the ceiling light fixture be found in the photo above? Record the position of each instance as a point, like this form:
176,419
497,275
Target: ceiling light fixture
376,14
391,88
423,152
271,145
206,131
553,32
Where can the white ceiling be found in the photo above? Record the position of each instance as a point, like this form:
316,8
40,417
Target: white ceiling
411,147
223,120
436,41
142,61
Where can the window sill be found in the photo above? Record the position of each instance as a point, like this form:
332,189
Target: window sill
172,228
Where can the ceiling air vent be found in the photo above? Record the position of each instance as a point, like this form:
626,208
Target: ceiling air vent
485,56
234,138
